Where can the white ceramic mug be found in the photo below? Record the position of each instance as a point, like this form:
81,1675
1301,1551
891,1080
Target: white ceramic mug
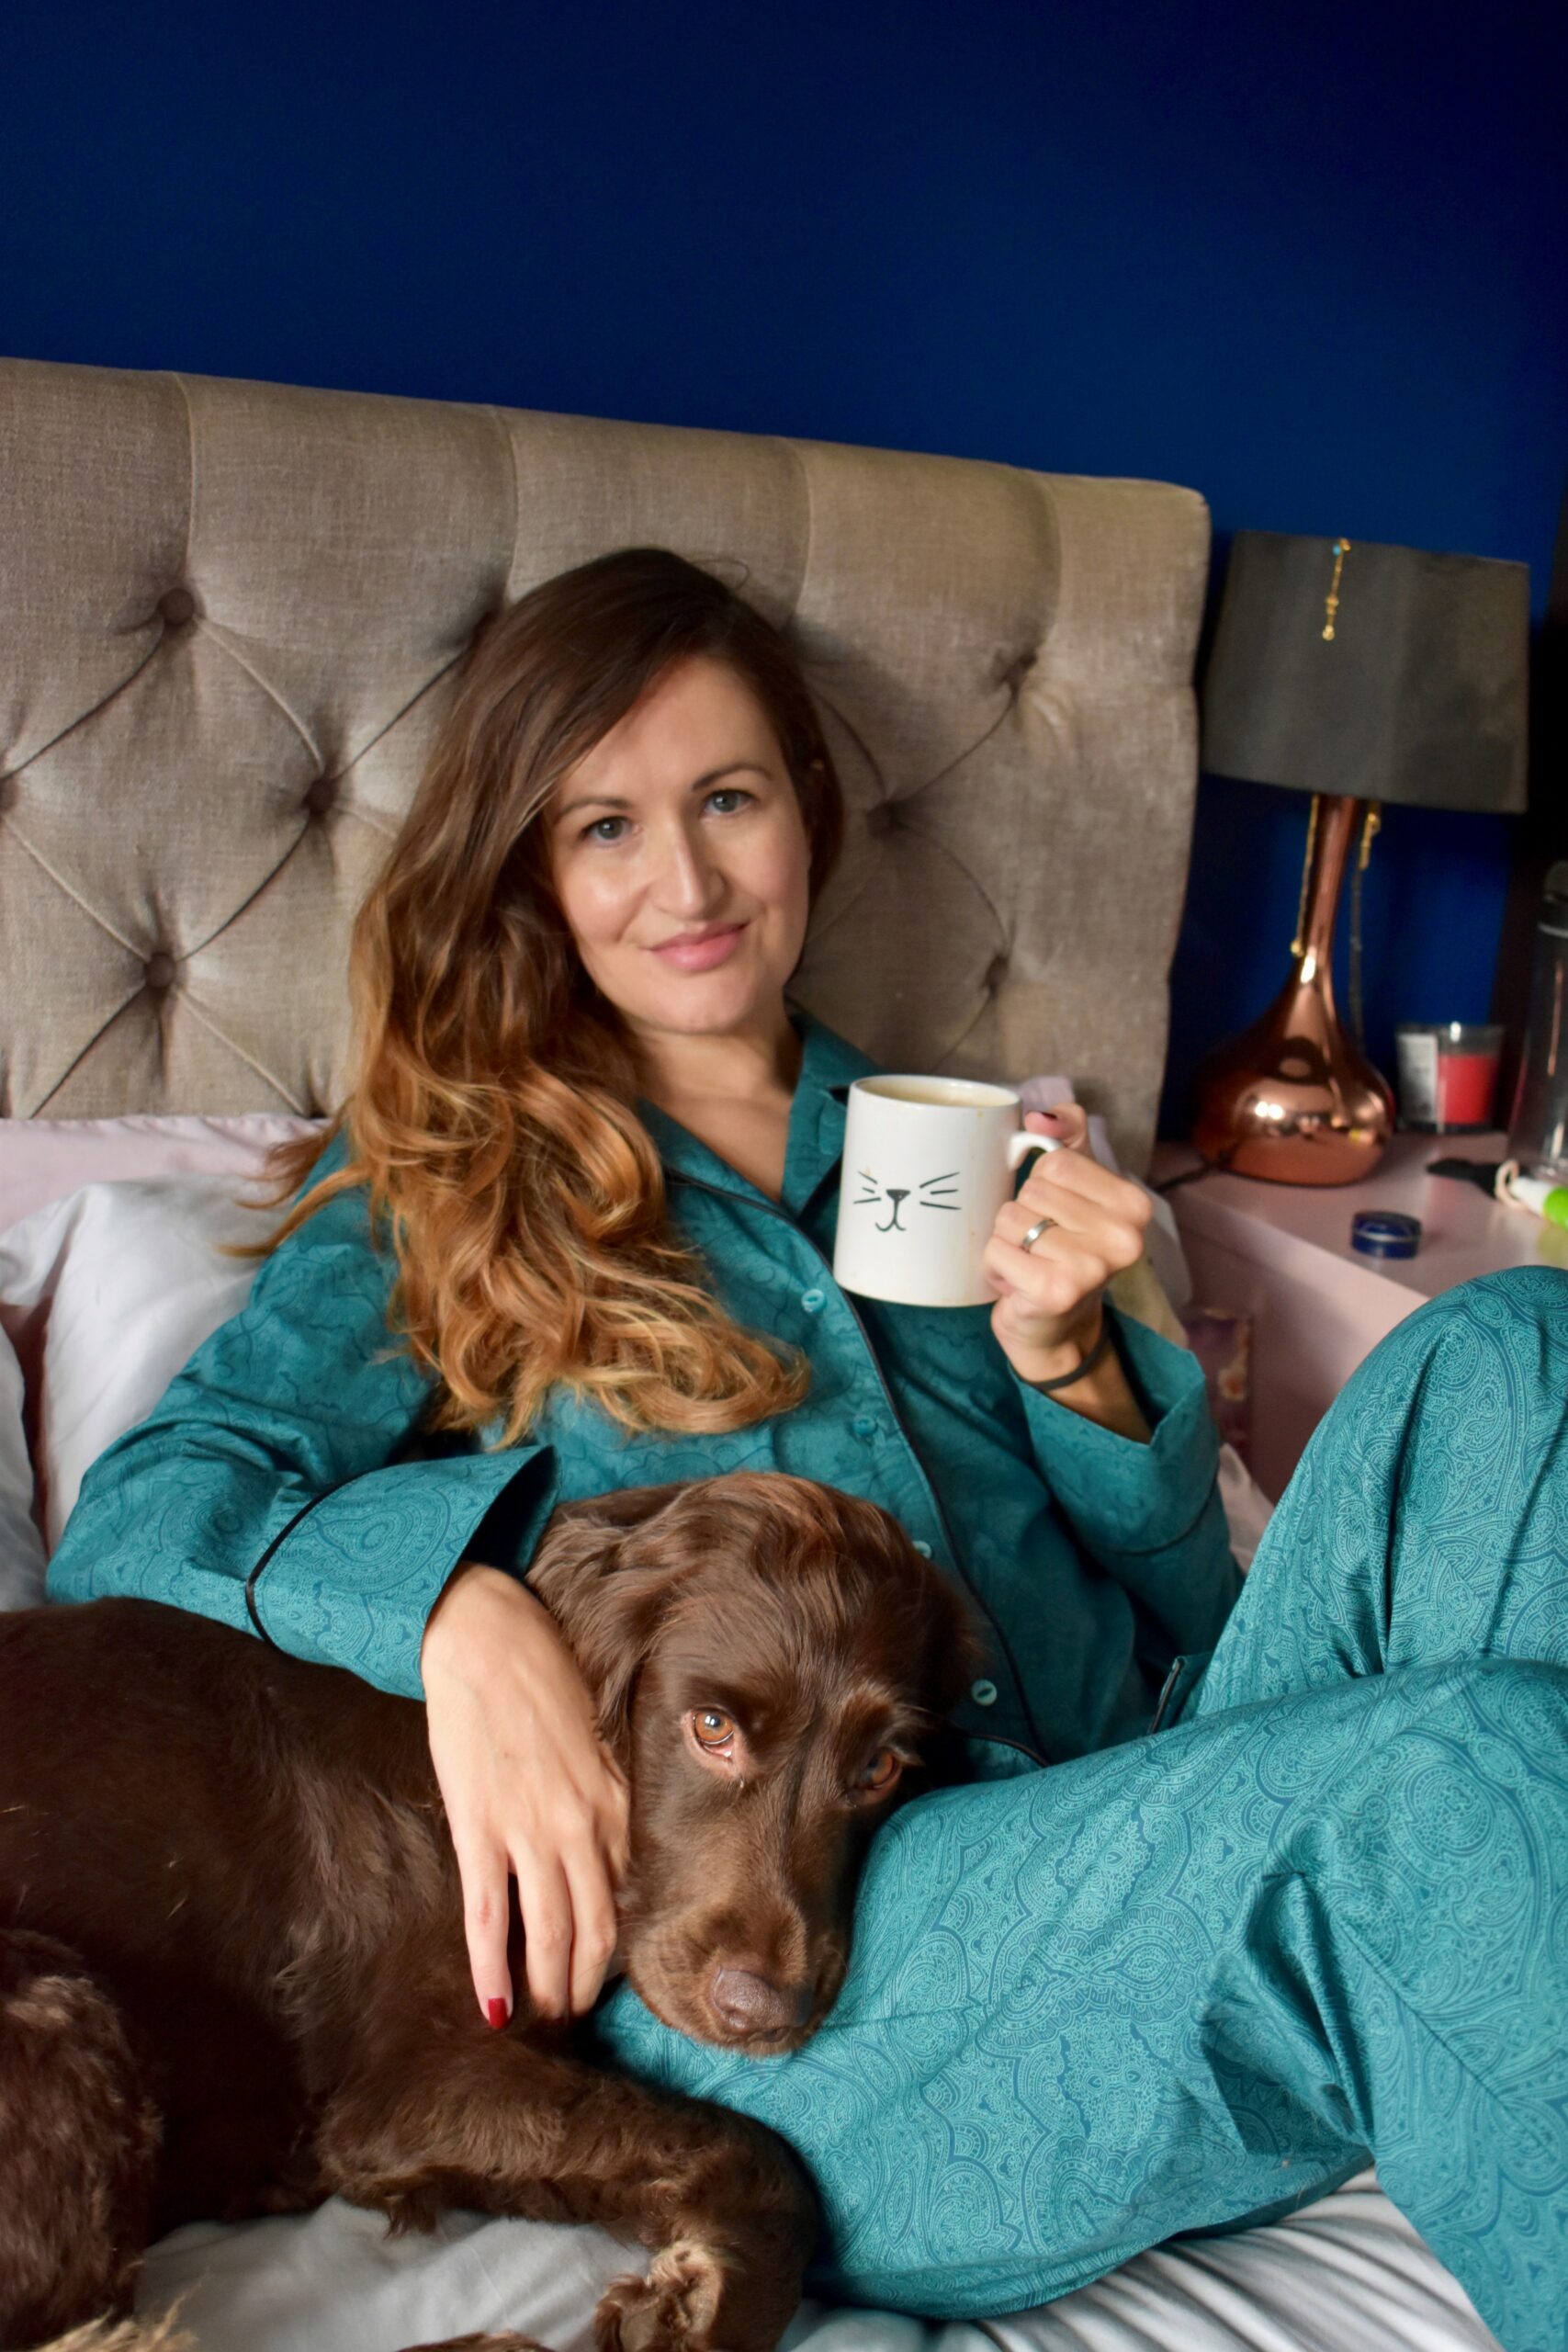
928,1163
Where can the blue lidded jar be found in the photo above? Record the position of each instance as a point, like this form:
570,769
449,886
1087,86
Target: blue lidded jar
1385,1233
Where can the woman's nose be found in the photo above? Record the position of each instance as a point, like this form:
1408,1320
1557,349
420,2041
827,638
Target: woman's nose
688,879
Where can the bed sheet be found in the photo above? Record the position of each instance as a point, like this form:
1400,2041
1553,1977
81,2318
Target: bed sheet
1347,2274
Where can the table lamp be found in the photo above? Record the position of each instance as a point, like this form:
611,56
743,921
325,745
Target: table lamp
1361,674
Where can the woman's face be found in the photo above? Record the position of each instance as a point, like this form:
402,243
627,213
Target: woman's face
682,822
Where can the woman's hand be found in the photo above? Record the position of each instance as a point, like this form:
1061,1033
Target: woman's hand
531,1792
1049,1305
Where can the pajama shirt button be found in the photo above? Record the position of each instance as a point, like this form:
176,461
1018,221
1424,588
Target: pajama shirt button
983,1694
812,1299
922,1547
863,1426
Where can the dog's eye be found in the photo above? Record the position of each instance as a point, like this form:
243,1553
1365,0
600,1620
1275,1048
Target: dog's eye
713,1727
882,1772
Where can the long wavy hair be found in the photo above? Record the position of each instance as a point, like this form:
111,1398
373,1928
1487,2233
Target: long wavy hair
491,1112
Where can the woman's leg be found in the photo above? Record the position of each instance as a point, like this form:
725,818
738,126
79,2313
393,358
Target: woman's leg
1175,1983
1428,1516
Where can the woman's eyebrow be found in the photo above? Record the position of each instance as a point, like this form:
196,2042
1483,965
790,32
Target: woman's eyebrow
608,801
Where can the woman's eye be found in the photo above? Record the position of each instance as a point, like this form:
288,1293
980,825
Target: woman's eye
714,1728
882,1772
595,832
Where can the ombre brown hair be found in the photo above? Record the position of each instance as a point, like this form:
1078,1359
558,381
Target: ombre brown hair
493,1110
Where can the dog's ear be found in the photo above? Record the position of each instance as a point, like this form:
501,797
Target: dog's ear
607,1595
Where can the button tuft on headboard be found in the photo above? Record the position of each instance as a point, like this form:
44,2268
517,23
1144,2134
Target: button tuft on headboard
321,795
177,605
1013,673
160,971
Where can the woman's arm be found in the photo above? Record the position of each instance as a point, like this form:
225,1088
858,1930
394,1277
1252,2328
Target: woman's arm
263,1489
531,1792
1127,1445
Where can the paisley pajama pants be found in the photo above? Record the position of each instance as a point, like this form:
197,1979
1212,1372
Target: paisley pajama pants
1194,1979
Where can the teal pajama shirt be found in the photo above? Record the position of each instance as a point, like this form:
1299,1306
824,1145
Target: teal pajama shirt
1293,1888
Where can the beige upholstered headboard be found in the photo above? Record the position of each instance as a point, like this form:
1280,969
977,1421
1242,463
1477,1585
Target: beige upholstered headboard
231,616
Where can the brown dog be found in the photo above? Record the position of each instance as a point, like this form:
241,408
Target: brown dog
233,1977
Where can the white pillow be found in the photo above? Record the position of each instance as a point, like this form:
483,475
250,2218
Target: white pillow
21,1545
128,1283
44,1161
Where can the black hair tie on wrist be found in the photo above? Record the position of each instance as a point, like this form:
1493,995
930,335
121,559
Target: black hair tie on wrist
1045,1388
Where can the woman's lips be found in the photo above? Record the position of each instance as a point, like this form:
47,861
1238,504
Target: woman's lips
701,954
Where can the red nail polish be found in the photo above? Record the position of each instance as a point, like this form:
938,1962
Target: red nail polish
496,2012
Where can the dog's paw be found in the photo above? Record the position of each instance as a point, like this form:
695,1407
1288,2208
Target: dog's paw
673,2309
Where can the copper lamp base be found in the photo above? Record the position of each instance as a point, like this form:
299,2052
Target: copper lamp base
1291,1100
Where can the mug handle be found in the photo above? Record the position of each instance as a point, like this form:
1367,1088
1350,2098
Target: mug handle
1021,1143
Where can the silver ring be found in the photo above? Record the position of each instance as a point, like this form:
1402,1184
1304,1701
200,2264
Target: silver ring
1042,1224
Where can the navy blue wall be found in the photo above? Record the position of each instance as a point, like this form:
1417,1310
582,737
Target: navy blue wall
1313,268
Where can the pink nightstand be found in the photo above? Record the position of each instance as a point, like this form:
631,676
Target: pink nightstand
1282,1252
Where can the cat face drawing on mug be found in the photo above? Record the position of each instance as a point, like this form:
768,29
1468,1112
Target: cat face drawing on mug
928,1163
932,1193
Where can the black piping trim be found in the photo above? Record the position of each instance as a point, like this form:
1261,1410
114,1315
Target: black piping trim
1167,1686
1147,1551
284,1532
721,1192
1001,1740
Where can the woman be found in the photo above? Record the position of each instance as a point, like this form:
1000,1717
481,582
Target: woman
591,1161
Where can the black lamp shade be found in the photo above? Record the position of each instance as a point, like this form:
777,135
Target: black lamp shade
1420,696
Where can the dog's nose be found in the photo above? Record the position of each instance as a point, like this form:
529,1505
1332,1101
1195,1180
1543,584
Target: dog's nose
751,2004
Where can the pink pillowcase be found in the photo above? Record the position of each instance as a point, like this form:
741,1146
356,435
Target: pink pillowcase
43,1160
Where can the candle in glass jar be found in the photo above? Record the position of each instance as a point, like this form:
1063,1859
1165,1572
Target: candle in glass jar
1448,1074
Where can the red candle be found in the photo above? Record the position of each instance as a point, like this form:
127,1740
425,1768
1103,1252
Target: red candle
1466,1082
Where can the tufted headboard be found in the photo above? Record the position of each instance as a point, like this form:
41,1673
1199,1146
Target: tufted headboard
233,614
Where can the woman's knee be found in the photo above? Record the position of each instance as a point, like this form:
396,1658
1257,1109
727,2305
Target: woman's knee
1479,1367
1449,1751
1524,1308
1441,1852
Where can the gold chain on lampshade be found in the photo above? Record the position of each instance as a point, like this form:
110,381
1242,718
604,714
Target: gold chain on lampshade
1331,601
